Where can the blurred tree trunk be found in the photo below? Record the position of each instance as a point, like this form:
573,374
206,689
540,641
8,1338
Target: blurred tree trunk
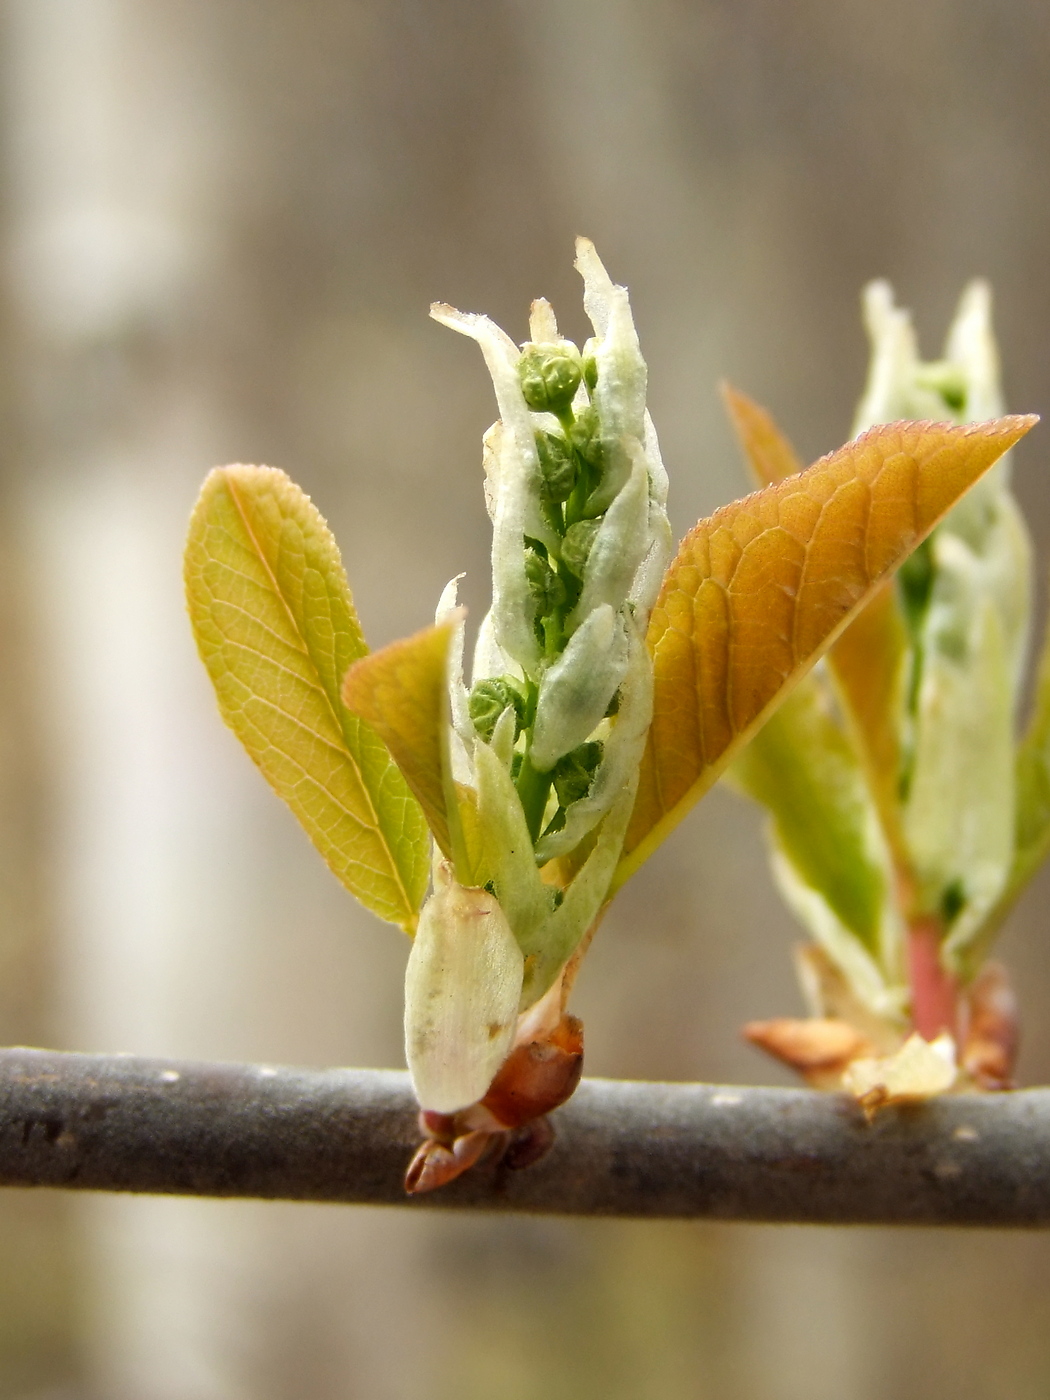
38,1330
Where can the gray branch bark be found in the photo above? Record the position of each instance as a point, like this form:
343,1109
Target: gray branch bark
117,1123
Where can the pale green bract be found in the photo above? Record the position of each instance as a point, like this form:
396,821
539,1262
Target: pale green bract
462,987
1033,783
276,628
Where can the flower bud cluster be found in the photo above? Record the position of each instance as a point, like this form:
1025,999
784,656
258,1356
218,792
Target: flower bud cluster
965,597
550,374
548,740
934,811
577,494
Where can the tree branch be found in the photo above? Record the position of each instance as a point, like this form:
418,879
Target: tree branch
117,1123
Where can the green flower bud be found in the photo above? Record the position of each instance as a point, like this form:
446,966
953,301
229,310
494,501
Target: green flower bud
548,590
586,436
557,466
550,375
590,364
574,774
576,546
489,699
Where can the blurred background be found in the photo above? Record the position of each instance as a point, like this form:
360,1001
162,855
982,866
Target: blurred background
222,223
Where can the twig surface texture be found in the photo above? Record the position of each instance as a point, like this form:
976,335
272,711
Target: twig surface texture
118,1123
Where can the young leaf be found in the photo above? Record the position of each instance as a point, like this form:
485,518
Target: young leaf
768,452
867,662
760,590
1032,820
802,767
276,628
401,691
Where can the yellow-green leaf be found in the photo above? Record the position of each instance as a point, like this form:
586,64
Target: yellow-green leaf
276,628
763,587
401,691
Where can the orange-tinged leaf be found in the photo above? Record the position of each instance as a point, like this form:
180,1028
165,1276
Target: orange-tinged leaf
763,587
867,661
401,692
769,454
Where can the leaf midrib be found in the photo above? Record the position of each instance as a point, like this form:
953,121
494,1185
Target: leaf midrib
344,748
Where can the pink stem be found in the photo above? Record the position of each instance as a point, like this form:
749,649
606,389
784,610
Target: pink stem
934,992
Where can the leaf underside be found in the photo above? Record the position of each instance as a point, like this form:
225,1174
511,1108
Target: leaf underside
761,589
276,628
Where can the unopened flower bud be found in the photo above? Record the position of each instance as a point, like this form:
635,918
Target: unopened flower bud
557,467
547,588
577,545
489,699
586,436
590,364
574,774
550,375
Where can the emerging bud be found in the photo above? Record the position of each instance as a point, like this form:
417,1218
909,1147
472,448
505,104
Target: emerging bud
547,588
576,547
586,437
557,467
590,364
488,701
574,773
550,375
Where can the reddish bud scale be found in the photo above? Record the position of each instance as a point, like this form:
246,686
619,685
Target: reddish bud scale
538,1077
991,1041
535,1078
